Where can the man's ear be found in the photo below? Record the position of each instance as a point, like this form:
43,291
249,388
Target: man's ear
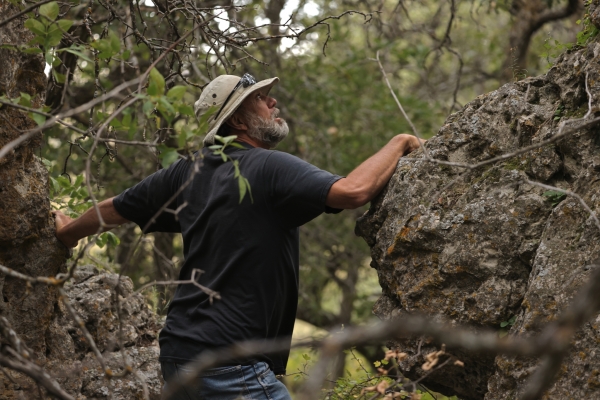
235,122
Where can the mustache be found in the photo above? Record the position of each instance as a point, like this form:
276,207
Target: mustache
275,113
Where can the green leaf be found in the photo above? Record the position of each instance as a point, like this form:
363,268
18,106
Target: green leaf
49,56
182,139
113,239
82,193
31,50
64,24
148,108
176,93
242,186
125,55
35,26
249,189
152,90
60,78
78,52
25,99
115,42
64,182
503,324
102,239
115,123
166,107
38,118
126,119
53,38
55,186
186,109
49,10
203,121
107,47
47,163
169,156
156,84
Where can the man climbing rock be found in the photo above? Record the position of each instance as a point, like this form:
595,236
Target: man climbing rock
248,250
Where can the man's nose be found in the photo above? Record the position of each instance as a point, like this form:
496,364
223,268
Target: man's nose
272,102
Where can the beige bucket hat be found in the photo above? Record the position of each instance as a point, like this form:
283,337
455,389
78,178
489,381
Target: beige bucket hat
226,92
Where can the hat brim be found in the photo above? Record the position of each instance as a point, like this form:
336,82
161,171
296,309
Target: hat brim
233,104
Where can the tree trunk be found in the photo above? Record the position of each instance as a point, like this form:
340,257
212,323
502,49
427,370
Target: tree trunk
529,16
27,241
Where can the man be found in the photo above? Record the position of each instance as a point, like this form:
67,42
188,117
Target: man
248,250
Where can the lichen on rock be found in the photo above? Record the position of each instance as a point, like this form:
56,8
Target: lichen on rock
480,246
71,360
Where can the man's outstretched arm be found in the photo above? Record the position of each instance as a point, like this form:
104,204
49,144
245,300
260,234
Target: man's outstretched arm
69,230
367,180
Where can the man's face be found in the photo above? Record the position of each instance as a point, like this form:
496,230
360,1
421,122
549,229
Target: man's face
261,117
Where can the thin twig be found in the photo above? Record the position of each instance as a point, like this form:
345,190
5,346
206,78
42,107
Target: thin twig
25,11
425,151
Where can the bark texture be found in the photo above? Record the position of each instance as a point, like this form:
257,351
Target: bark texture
28,246
27,242
490,247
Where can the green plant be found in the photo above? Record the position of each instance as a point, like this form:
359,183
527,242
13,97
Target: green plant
554,196
505,326
588,30
559,112
552,48
219,149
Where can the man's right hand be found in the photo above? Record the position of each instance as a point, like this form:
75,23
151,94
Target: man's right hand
412,143
61,221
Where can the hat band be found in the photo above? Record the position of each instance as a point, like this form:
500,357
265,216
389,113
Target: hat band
246,81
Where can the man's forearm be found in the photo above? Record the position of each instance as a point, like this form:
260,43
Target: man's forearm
367,180
69,231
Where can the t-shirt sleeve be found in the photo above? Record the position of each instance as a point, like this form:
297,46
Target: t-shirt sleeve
141,202
298,189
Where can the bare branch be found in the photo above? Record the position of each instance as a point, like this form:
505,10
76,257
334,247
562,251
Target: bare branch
23,12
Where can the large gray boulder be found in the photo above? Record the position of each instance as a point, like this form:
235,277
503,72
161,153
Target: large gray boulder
480,246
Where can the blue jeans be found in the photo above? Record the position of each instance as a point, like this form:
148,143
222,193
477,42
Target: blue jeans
246,382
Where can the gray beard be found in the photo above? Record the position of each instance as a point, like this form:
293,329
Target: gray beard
268,131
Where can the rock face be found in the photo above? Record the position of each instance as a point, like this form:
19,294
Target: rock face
71,360
93,296
480,246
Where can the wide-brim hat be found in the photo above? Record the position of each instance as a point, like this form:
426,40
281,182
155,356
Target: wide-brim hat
217,92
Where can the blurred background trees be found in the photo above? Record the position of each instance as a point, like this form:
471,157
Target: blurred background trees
437,54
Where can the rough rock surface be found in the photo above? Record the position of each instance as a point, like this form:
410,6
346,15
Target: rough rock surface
93,296
480,246
71,360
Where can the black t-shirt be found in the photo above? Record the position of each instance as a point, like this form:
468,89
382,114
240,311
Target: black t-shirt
248,251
